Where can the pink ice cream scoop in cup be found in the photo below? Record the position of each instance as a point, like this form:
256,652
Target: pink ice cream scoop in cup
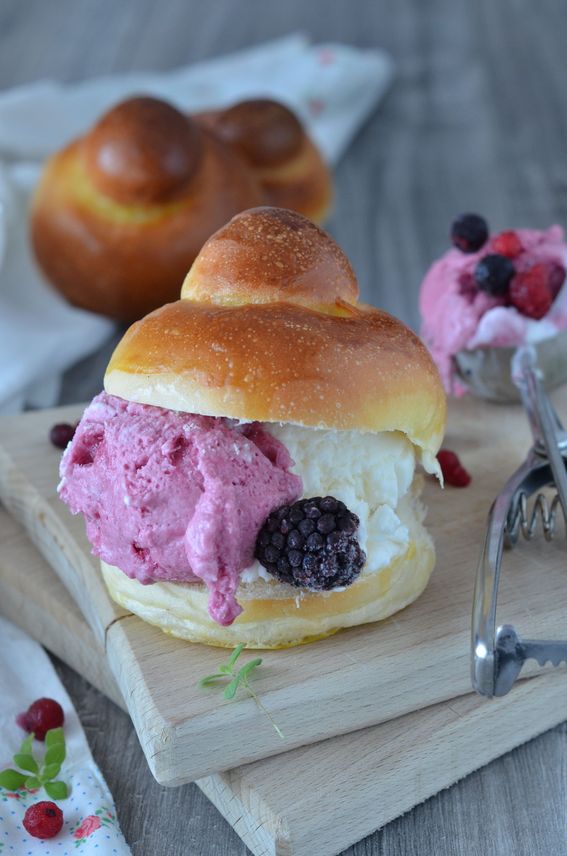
488,295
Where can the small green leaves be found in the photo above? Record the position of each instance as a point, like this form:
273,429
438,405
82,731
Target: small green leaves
26,747
54,736
56,790
230,690
55,754
12,780
210,679
42,775
26,762
49,771
239,678
245,670
234,656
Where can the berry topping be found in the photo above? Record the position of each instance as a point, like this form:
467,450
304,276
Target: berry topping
507,244
556,277
311,544
43,820
469,232
467,286
530,291
493,274
453,471
41,716
62,434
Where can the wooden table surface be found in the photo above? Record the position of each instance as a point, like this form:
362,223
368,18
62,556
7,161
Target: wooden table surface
476,120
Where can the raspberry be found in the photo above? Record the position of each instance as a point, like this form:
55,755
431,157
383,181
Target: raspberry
453,471
493,274
555,277
43,820
507,244
469,232
62,434
311,544
41,716
530,291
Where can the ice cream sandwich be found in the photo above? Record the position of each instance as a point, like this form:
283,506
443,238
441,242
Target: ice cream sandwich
252,471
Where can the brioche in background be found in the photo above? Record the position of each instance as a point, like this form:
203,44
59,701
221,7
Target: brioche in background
285,161
121,213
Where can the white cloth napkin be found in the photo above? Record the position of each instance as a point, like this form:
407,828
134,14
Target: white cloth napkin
90,824
333,88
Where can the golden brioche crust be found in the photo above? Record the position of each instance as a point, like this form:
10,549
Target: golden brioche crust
226,349
302,184
285,161
268,255
264,132
143,151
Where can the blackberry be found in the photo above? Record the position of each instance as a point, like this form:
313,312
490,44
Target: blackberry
494,273
469,232
311,544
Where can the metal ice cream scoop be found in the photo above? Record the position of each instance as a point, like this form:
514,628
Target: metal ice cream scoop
498,653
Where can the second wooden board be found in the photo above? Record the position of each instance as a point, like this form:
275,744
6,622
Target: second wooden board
360,677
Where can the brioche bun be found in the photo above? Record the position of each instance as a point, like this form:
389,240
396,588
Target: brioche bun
121,213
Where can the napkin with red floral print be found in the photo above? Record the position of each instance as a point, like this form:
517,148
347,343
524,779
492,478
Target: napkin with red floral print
90,825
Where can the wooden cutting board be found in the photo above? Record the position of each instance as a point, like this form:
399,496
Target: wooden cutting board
357,678
317,799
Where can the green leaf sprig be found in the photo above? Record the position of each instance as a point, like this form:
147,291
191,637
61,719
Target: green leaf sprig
42,775
238,679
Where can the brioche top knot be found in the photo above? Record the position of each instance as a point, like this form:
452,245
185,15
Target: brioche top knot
270,255
143,151
264,132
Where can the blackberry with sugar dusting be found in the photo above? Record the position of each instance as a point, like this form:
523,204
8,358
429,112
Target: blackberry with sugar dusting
311,544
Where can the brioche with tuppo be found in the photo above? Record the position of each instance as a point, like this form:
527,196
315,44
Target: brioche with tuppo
121,213
249,473
285,161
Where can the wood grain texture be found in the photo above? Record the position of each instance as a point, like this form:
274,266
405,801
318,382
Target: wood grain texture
476,119
301,802
418,657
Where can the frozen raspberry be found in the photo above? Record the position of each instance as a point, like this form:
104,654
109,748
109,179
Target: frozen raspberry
43,820
453,471
555,277
530,291
469,232
493,274
62,434
507,244
41,716
311,544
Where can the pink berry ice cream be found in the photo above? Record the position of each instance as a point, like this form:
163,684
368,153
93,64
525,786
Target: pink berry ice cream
175,496
492,291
